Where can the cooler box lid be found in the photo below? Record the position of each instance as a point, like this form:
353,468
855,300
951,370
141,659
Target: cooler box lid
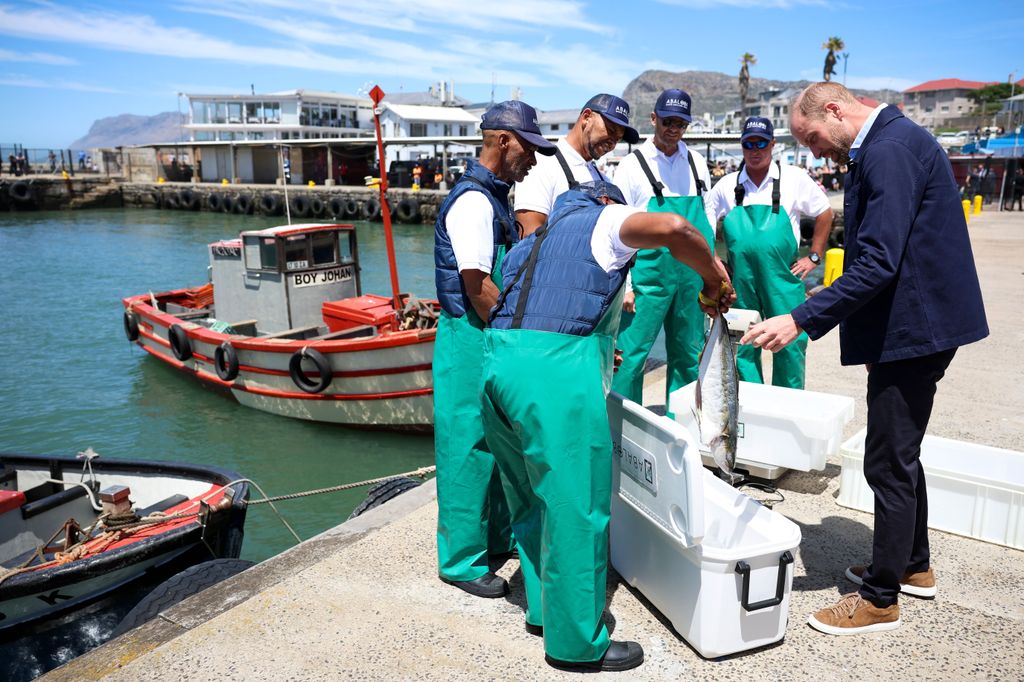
659,472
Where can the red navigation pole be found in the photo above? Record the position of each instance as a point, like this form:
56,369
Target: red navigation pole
385,211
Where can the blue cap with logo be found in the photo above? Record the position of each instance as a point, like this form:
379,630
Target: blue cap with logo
521,119
757,126
616,110
602,188
673,103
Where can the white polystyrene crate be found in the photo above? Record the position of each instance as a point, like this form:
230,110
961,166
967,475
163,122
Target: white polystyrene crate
715,562
973,490
784,427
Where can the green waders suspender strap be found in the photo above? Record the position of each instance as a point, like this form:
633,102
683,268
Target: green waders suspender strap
776,194
656,184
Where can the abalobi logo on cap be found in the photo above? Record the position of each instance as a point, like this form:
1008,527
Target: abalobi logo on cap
677,102
760,125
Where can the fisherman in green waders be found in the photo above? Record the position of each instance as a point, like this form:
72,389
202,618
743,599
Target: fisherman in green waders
664,175
762,204
473,230
547,371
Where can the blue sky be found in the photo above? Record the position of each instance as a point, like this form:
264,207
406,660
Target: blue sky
65,64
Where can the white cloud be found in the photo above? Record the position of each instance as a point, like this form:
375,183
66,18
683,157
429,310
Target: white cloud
21,81
879,82
36,58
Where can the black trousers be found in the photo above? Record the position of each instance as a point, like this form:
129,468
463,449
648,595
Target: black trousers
900,399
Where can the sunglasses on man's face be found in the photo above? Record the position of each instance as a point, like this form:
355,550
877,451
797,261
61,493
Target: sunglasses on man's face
674,123
756,144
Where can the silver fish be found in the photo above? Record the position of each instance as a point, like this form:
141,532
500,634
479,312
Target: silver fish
717,397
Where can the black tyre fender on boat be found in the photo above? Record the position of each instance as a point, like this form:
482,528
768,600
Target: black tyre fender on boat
225,361
838,237
214,201
131,325
316,206
227,204
371,209
351,209
187,200
180,345
243,204
383,492
270,204
408,210
336,207
179,587
20,191
171,200
300,206
301,379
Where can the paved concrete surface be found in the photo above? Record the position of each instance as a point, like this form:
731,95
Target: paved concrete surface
362,601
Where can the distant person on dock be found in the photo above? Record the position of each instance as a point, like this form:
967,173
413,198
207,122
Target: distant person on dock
14,170
663,174
603,121
548,363
81,160
762,205
52,158
474,228
908,298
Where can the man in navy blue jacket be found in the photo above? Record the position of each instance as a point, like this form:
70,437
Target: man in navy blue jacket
908,298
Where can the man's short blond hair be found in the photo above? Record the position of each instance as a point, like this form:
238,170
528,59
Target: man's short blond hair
811,102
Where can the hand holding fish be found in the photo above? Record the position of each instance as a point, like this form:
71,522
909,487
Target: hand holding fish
718,294
773,334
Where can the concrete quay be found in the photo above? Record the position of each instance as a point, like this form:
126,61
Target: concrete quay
362,601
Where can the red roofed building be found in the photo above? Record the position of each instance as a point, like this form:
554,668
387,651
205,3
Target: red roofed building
933,103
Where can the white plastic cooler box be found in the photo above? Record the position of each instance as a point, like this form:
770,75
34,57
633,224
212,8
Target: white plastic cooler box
778,427
715,562
973,490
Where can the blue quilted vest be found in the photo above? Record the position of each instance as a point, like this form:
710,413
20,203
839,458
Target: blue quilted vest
552,282
450,290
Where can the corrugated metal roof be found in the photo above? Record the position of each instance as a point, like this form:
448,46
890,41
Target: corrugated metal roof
414,112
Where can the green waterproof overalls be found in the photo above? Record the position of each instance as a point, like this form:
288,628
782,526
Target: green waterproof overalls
762,249
547,424
472,515
666,293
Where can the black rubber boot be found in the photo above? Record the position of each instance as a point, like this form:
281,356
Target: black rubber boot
488,586
619,656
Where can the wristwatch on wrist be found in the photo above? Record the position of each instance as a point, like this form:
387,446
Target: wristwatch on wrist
815,258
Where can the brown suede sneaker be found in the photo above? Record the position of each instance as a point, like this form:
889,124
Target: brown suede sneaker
853,615
921,584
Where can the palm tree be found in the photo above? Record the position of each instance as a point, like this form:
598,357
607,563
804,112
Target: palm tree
834,44
744,79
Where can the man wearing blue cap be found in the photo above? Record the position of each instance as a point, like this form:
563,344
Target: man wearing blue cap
664,175
473,230
762,242
548,357
603,121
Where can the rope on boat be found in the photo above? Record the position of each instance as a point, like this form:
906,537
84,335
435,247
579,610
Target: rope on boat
124,526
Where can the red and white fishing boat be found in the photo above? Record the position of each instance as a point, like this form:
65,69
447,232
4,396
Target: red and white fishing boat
284,326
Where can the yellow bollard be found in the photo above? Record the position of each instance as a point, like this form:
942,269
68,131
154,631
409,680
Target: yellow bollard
833,266
977,204
311,183
224,181
967,210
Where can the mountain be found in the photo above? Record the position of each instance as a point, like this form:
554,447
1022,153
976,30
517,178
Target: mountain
711,92
128,129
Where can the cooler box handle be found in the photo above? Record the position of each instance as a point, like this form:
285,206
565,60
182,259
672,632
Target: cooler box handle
743,568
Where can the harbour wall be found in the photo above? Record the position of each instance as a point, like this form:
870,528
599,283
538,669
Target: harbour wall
33,193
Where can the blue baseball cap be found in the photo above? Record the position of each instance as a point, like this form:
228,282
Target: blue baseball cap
521,119
602,188
757,126
673,103
616,110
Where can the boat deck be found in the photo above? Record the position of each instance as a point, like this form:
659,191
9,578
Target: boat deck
362,601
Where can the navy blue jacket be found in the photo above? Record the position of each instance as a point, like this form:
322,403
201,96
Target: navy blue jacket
451,290
909,286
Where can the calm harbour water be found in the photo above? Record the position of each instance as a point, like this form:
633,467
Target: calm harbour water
70,379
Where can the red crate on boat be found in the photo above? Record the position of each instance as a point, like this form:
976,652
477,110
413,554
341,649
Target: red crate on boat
351,312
